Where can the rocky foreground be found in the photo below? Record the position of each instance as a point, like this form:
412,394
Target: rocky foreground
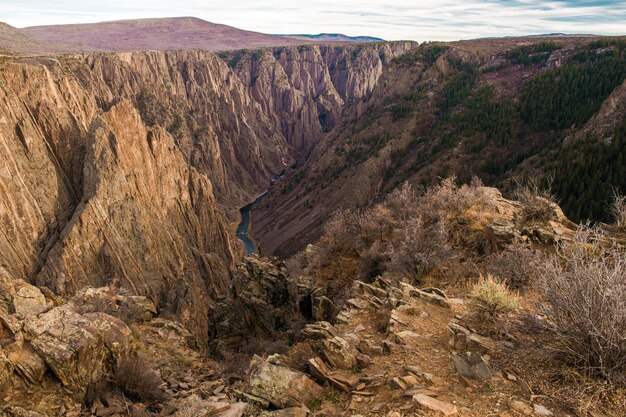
279,346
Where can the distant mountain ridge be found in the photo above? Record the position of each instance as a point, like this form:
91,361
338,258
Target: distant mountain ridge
155,34
335,37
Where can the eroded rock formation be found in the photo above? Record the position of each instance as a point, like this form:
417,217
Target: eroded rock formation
129,168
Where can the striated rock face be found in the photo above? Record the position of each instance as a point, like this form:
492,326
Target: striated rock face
91,195
303,90
129,168
146,219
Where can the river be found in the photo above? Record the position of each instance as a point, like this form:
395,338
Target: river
244,226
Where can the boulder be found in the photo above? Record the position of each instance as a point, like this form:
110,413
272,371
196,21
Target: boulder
432,297
29,301
339,379
541,410
21,412
114,302
521,407
78,348
335,351
288,412
194,405
407,337
282,387
472,365
27,363
115,333
233,410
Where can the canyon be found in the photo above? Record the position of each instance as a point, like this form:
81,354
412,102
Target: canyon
131,168
127,174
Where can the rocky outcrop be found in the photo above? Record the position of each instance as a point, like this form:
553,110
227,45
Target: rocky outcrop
147,220
282,387
261,301
335,350
79,349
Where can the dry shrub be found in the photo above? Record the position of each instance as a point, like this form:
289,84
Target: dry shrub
618,209
447,198
419,248
136,377
538,202
491,298
409,233
234,362
517,265
585,286
374,261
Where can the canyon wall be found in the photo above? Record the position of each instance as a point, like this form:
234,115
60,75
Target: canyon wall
304,90
128,169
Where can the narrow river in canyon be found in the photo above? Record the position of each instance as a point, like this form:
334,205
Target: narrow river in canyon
244,226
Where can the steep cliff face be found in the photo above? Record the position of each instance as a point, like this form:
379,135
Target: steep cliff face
91,195
215,122
35,195
129,168
304,90
147,220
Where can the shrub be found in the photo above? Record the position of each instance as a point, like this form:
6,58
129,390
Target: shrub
490,297
537,203
618,210
136,378
448,197
418,248
234,362
517,265
585,286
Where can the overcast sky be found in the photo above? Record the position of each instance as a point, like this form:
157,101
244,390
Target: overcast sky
390,19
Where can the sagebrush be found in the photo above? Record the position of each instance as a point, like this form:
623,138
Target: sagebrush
585,286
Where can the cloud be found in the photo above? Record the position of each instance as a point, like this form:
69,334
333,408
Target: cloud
391,19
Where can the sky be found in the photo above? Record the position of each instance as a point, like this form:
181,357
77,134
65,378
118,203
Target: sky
419,20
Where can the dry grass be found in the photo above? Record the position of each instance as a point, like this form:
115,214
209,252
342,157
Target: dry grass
585,287
491,297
